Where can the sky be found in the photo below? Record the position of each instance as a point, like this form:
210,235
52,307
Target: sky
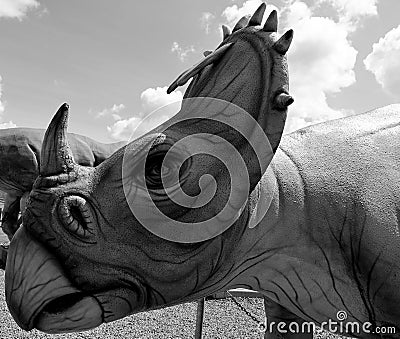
113,60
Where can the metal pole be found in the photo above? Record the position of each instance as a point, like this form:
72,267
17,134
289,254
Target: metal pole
199,318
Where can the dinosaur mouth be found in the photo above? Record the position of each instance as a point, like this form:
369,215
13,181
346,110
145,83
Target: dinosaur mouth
69,313
39,295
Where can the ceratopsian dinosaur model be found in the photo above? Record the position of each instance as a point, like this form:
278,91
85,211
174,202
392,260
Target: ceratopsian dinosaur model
179,211
19,165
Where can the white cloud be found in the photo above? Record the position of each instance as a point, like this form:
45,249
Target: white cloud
310,108
350,12
1,103
16,8
122,129
144,121
116,117
205,21
233,13
114,110
296,12
384,61
321,57
9,124
3,125
321,62
182,52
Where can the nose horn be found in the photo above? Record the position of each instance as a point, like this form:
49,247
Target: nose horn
56,155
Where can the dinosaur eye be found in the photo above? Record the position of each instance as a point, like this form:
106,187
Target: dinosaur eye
159,171
76,216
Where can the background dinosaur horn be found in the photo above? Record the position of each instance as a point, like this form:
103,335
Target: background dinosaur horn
271,25
256,19
283,44
56,156
208,60
240,24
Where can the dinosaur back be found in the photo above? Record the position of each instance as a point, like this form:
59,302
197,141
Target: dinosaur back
20,156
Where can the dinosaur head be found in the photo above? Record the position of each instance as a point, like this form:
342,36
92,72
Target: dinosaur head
155,224
247,69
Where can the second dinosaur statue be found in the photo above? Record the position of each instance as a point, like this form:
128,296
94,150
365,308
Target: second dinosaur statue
19,166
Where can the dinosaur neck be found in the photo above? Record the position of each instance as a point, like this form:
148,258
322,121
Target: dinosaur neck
272,232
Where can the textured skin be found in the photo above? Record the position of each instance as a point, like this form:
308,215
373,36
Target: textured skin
19,165
328,242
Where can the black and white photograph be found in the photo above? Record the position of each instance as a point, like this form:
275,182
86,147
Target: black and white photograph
200,169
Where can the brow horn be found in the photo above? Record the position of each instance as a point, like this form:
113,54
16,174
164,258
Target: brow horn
56,155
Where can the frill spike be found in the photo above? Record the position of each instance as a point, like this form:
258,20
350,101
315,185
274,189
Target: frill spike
208,60
271,25
283,44
257,17
226,32
241,24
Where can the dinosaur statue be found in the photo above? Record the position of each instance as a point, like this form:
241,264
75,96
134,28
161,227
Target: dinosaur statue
317,232
19,167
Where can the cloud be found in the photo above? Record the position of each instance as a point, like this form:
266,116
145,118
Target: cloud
1,103
9,124
113,111
16,8
205,21
321,57
350,12
384,61
140,123
321,62
310,108
3,125
182,52
233,13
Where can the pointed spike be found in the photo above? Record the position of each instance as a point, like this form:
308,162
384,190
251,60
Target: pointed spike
207,53
172,88
283,100
226,31
283,44
257,17
271,25
240,24
208,60
56,155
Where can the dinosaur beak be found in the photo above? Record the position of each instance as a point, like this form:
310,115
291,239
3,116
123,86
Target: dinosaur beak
56,154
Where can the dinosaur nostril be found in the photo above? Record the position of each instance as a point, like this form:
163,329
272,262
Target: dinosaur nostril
76,216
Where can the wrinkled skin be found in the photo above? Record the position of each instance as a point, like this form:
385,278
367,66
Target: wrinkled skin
328,242
19,166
